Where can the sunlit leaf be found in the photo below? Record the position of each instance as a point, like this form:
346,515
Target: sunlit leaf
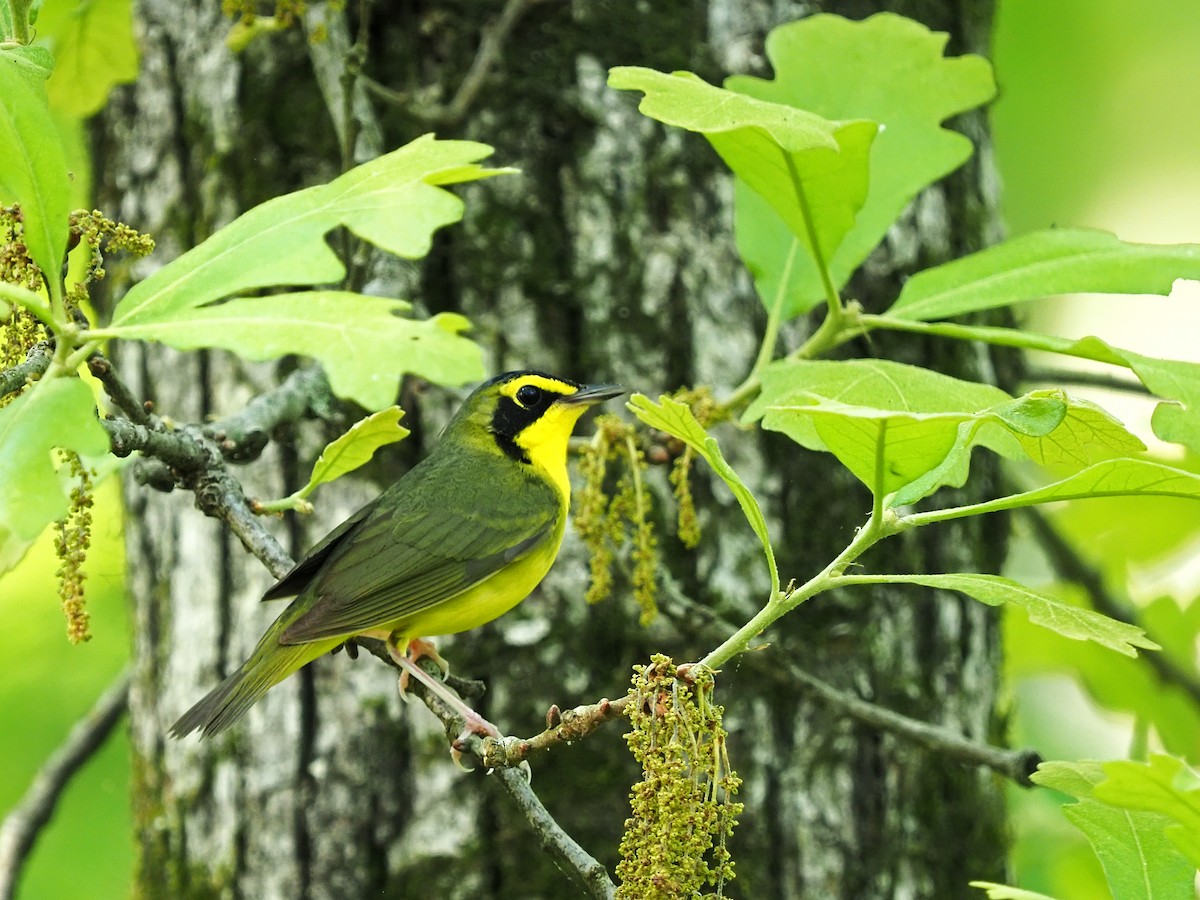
56,413
33,169
356,447
1118,684
1041,264
1165,785
890,70
812,171
908,430
1139,863
94,51
361,341
396,202
1042,608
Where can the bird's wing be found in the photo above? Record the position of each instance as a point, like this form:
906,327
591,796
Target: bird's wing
295,581
423,552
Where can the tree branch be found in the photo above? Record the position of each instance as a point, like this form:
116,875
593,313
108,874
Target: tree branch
1070,565
491,46
571,858
572,725
22,826
37,361
567,854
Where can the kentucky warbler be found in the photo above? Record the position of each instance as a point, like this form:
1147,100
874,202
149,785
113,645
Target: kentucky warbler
462,538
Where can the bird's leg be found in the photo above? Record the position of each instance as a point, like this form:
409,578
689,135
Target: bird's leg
473,723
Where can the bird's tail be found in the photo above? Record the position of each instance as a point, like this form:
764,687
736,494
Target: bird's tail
230,700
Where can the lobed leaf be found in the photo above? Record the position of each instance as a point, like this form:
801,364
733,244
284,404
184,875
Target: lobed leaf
1043,609
361,341
1041,264
676,419
887,69
811,171
356,447
33,167
395,202
1120,684
94,51
1172,380
906,430
58,412
1138,861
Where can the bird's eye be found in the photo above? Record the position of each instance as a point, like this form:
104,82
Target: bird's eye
528,395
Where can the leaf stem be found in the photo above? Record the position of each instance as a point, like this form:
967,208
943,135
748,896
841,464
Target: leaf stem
20,19
780,604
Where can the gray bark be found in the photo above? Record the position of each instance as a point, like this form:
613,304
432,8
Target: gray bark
610,258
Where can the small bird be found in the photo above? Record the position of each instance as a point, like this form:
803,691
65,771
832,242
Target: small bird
461,539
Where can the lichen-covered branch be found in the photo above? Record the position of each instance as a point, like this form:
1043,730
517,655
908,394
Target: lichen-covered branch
25,822
37,361
571,725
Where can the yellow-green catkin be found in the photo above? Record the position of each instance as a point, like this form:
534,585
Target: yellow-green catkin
682,812
72,538
599,530
21,330
645,544
688,525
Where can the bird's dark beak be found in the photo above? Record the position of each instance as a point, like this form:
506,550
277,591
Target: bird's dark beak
593,393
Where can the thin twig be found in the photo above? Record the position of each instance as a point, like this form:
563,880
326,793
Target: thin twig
119,392
25,822
572,725
1016,765
1070,565
491,46
566,852
37,361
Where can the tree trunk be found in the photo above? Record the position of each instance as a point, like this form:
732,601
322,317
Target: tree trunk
610,258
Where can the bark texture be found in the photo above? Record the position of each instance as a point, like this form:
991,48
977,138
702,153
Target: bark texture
610,258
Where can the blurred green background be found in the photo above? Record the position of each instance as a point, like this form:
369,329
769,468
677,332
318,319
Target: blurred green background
1097,124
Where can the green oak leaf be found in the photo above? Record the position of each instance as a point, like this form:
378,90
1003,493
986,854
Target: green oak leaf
887,69
33,167
395,202
94,51
1176,381
908,430
1117,683
1042,264
58,412
361,341
1138,861
1166,786
812,171
676,419
1042,608
356,447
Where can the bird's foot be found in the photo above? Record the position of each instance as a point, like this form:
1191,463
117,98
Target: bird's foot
473,722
